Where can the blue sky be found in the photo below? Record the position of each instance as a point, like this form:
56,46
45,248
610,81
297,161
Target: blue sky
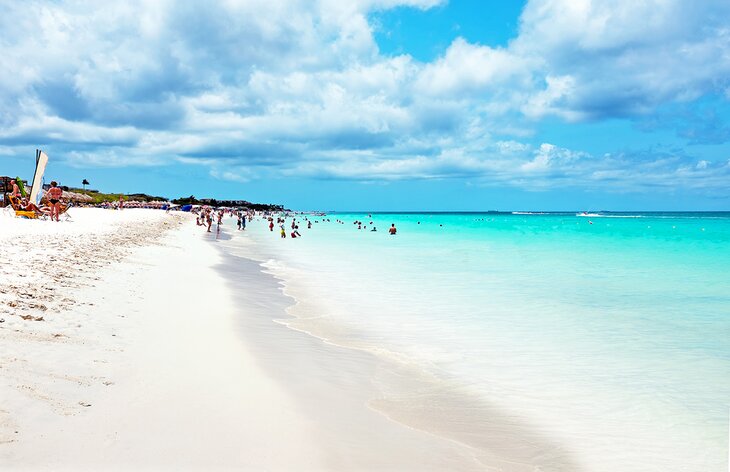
376,104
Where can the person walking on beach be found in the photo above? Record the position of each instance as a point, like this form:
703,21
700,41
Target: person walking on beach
54,198
121,202
243,221
392,230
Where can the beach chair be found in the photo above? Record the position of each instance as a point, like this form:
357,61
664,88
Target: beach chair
64,211
19,212
65,207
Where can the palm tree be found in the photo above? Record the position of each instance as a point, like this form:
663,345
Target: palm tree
85,183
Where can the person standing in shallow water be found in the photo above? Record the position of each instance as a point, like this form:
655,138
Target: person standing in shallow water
392,229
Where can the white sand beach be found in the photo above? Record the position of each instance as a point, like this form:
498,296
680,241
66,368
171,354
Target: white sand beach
122,348
129,365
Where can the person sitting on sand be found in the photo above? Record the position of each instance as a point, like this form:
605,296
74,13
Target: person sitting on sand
54,197
392,229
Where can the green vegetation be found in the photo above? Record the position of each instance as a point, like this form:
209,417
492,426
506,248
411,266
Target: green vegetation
191,200
98,197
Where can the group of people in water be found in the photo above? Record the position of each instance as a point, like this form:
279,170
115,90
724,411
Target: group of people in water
206,216
281,222
282,226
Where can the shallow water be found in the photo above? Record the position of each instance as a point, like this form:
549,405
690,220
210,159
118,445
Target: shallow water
607,334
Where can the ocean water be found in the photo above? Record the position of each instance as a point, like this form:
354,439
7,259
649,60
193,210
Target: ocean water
603,339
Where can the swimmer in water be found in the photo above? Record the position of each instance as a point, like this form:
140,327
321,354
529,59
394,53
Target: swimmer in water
392,230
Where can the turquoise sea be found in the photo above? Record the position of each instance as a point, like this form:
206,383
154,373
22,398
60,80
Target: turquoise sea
607,334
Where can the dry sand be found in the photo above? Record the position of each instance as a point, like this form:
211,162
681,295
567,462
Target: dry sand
117,353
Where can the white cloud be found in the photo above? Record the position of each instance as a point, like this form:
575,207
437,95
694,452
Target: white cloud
304,90
471,68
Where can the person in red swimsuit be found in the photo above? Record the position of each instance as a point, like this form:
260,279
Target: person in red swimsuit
54,198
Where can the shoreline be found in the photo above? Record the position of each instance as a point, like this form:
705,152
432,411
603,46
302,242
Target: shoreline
333,385
203,378
445,415
474,305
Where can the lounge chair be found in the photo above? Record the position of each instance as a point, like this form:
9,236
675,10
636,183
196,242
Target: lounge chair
20,212
63,212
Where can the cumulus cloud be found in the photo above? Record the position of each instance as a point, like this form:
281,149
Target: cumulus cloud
626,57
256,88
